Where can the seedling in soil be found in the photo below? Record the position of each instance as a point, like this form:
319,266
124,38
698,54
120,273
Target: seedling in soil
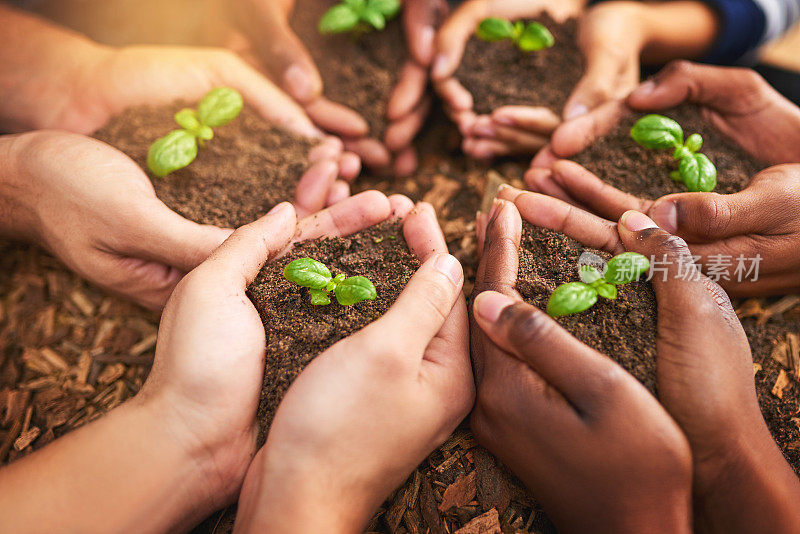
695,170
575,297
179,148
358,16
529,37
306,272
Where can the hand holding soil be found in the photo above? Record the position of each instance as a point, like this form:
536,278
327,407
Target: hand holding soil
95,209
365,412
376,137
552,409
484,136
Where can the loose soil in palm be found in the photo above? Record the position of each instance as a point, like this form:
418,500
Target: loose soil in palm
246,170
617,159
499,74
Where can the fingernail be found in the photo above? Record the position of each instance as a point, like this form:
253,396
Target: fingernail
497,206
441,67
298,82
636,221
505,120
576,111
490,304
644,89
450,267
484,130
281,209
665,214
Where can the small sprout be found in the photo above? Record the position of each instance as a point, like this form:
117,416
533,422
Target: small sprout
575,297
358,16
528,37
307,272
695,170
179,148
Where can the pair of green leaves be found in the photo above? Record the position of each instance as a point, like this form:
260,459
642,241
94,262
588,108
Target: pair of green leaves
695,170
575,297
179,148
358,16
528,37
307,272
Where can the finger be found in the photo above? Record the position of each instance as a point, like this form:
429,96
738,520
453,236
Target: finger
534,119
682,81
765,285
575,370
269,101
594,194
337,118
156,233
706,217
401,206
239,259
408,92
452,37
314,187
339,191
406,162
401,133
346,217
605,78
423,306
454,94
540,180
146,283
484,149
679,284
517,140
590,230
499,263
544,158
372,152
349,166
423,233
420,18
576,135
328,148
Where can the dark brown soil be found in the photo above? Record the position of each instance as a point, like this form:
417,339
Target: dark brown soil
618,160
296,330
247,169
359,73
782,414
624,329
499,74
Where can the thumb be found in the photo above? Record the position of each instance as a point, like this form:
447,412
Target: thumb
707,217
289,61
159,234
595,87
422,308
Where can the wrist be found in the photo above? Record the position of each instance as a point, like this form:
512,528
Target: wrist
17,215
675,30
284,494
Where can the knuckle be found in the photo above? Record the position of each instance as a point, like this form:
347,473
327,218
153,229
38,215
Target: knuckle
437,300
678,67
526,326
715,212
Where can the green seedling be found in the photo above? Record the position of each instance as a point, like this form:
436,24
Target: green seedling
695,170
179,148
576,297
358,16
306,272
529,37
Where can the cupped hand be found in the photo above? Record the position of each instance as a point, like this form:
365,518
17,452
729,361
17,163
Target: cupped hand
511,129
288,61
367,411
209,361
96,210
586,438
704,370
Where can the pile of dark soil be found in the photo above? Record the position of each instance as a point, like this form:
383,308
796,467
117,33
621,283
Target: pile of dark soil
297,331
624,329
617,159
359,73
499,74
247,169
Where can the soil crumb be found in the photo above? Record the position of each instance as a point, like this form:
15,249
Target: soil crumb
624,329
246,170
500,74
359,73
618,160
